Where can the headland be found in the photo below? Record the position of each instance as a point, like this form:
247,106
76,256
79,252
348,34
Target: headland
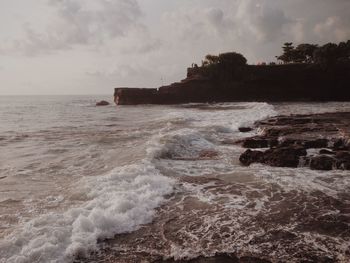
305,73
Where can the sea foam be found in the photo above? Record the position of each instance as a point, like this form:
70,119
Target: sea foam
118,202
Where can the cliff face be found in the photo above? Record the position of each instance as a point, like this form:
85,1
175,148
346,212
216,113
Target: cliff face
294,82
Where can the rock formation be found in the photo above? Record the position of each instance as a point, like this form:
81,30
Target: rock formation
102,103
290,82
289,137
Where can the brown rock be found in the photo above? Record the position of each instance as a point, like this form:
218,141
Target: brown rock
255,143
218,258
343,160
322,162
318,143
249,157
288,137
245,129
340,144
284,157
102,103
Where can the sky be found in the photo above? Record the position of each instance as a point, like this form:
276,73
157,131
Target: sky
92,46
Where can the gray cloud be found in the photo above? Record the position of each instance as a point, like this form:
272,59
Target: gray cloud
262,20
334,27
107,43
79,22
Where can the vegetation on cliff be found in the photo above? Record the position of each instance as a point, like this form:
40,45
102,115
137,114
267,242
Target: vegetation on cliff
327,54
233,66
307,73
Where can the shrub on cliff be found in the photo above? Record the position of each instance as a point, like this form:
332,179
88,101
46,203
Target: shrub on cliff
326,55
232,59
210,60
225,65
288,53
303,53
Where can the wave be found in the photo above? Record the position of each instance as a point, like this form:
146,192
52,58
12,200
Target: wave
120,202
127,197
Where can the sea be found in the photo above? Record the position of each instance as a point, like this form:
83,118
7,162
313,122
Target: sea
83,183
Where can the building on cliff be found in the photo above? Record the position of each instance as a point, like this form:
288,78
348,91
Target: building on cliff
227,78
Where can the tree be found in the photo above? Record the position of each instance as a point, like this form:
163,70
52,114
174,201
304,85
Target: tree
287,55
305,52
328,54
210,60
232,59
344,50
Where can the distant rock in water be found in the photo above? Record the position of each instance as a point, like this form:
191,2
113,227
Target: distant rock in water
245,129
102,103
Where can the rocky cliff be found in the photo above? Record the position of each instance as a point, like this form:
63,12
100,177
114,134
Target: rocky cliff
289,82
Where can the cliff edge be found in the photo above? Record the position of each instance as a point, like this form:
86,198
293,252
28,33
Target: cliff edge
227,78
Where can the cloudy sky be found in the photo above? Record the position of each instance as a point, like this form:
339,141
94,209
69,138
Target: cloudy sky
92,46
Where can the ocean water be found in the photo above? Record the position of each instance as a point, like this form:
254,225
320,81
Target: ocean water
73,175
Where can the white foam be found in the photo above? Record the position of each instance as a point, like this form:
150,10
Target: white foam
245,115
205,130
119,202
184,143
304,179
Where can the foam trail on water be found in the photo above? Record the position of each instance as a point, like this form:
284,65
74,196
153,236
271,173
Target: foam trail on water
120,202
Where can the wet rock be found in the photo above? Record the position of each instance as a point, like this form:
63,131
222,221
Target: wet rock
245,129
279,157
284,157
318,143
343,160
322,162
328,132
273,142
255,143
102,103
249,157
293,120
304,161
272,132
218,258
326,151
340,144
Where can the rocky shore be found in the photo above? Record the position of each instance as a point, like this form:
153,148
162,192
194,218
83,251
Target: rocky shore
318,141
244,217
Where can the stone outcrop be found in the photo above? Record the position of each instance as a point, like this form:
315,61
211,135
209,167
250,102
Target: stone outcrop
292,82
245,129
102,103
289,137
279,156
322,162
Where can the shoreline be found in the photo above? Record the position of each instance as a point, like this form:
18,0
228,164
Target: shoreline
249,219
